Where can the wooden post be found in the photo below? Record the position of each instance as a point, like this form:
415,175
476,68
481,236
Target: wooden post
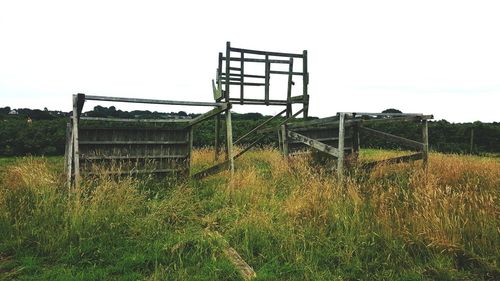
217,137
425,141
305,82
340,159
76,154
471,140
69,152
229,133
355,141
267,77
289,90
242,76
191,137
228,70
284,140
280,140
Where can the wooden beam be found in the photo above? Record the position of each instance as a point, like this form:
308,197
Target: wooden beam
305,83
266,83
272,129
340,159
217,137
408,142
284,140
105,119
76,150
229,134
151,101
259,126
208,115
314,143
212,170
425,145
264,53
394,160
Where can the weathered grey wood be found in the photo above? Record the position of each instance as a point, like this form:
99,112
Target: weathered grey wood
305,83
314,143
76,150
290,72
109,119
131,172
228,70
217,137
289,89
190,150
357,114
116,157
267,74
229,134
259,126
280,142
212,170
340,159
260,102
258,60
69,160
394,160
425,140
272,129
246,272
258,52
284,140
327,120
208,115
242,77
116,142
408,142
247,84
151,101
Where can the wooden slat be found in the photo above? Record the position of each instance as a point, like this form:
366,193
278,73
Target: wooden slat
135,171
131,142
400,159
259,126
398,139
151,101
106,119
257,52
117,157
314,143
340,159
208,115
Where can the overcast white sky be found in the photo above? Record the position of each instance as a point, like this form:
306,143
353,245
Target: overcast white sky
440,57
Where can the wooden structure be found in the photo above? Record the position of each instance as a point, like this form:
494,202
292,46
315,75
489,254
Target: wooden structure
135,148
338,136
239,69
138,148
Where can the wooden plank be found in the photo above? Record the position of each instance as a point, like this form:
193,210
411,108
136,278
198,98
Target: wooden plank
259,126
109,119
395,138
425,145
258,60
289,89
229,134
400,159
69,160
272,129
305,83
258,52
117,157
284,140
290,72
208,115
340,159
314,143
228,67
212,170
242,77
266,83
260,101
151,101
131,172
76,150
138,142
246,272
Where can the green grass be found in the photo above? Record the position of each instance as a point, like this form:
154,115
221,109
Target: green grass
290,220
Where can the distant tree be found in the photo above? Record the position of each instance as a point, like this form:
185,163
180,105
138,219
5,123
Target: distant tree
4,110
392,110
182,113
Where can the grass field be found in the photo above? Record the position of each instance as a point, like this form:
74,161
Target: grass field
289,220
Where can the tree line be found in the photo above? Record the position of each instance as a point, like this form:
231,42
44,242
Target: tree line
43,132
